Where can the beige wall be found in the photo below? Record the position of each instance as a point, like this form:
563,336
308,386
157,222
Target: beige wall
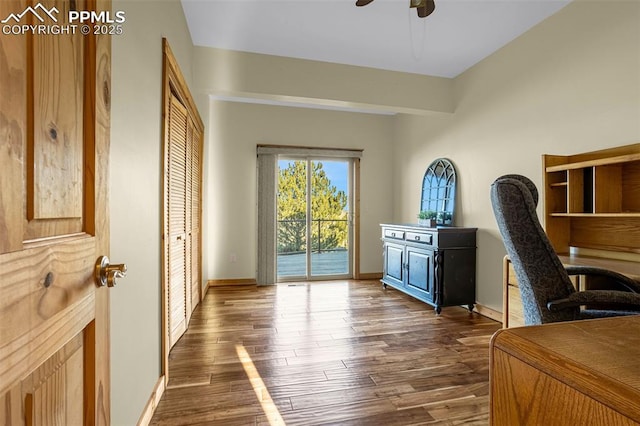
234,130
230,181
571,84
231,73
136,165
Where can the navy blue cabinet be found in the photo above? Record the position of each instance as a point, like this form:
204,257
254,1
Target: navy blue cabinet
435,265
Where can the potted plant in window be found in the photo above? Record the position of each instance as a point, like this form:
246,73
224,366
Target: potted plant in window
446,218
427,218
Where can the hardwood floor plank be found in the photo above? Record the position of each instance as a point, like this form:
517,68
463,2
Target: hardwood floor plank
297,389
183,406
424,398
465,379
482,340
286,385
192,380
334,353
340,396
202,368
413,417
236,421
461,408
429,372
339,414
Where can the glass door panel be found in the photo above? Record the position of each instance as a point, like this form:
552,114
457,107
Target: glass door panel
329,218
314,220
292,219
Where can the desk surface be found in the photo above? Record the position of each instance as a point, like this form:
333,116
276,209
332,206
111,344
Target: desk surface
598,358
625,267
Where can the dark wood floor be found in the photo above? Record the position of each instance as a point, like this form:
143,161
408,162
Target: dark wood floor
330,353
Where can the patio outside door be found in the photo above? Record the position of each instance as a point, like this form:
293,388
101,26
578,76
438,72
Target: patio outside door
314,216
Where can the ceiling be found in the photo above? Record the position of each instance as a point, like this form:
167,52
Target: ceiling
386,34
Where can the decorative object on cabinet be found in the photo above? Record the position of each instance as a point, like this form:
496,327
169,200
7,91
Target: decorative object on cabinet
428,218
548,295
434,265
439,191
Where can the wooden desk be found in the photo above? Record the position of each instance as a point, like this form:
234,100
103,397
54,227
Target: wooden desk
512,304
571,373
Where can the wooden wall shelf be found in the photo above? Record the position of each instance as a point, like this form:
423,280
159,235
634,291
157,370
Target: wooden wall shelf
593,199
596,162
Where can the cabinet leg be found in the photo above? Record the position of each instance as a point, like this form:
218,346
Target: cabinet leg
384,285
438,309
470,307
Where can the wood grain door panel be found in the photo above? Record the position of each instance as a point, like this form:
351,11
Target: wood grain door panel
194,213
54,157
55,144
176,231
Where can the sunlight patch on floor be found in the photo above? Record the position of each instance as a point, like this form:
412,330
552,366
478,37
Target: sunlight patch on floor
259,388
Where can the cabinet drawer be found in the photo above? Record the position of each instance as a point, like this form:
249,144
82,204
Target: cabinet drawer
394,233
419,237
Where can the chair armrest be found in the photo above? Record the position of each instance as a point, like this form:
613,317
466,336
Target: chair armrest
595,297
627,282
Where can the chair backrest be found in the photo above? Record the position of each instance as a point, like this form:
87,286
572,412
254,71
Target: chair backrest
541,276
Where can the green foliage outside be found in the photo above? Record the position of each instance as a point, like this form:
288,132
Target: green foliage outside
328,226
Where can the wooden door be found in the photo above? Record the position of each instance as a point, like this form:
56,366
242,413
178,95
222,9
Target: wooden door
176,219
182,236
194,190
182,209
54,224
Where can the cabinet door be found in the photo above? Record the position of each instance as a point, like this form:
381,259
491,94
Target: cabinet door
420,272
393,264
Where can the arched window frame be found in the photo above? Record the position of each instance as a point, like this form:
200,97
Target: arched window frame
439,191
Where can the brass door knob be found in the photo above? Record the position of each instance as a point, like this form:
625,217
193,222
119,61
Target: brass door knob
106,274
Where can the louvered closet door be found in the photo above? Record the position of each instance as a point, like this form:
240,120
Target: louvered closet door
176,220
189,219
193,221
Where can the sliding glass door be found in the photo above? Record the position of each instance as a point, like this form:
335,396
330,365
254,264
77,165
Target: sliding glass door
314,229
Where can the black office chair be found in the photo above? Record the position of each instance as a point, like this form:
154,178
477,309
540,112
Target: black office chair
546,290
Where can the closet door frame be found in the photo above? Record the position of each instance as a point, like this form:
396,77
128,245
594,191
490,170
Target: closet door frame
175,87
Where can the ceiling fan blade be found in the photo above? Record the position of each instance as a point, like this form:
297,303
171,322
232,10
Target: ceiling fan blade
363,2
427,9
